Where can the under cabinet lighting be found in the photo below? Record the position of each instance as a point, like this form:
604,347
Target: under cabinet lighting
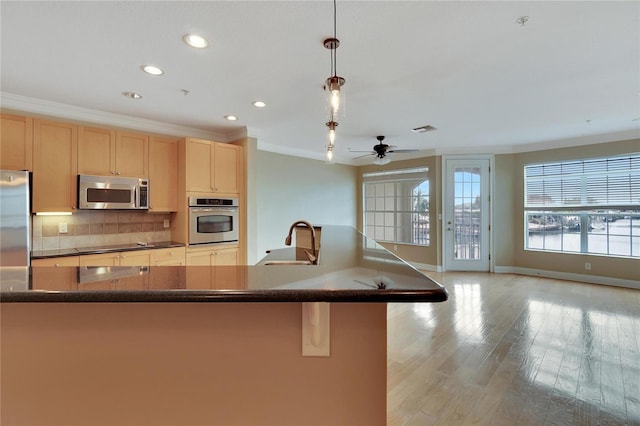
53,213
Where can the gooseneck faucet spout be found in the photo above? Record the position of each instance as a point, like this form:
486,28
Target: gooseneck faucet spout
313,256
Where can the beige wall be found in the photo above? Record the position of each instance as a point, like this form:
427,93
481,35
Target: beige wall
508,211
189,364
292,188
621,268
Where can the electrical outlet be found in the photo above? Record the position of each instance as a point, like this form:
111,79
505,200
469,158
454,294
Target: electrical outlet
62,228
395,247
165,224
587,266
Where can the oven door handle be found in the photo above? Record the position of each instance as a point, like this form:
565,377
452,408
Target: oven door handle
212,209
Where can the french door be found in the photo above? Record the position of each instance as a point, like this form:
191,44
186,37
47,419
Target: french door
466,237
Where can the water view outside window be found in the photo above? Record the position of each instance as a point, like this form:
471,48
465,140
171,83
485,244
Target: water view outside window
584,206
396,206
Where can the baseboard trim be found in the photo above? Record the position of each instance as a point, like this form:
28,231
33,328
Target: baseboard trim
426,267
592,279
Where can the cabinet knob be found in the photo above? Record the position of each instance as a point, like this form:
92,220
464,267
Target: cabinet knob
118,173
56,265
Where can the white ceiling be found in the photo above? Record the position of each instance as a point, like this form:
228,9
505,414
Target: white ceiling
570,76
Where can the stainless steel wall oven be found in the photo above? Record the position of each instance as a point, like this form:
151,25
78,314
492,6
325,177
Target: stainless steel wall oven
213,220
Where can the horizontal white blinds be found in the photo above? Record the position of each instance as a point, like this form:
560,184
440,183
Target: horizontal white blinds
592,183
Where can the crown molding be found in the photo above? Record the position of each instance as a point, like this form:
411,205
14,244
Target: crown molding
28,105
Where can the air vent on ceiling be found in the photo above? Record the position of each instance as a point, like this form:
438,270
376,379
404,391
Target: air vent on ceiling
423,129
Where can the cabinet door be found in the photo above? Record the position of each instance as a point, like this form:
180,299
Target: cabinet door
132,155
106,259
226,168
55,166
163,174
135,258
227,274
198,165
96,151
199,274
16,142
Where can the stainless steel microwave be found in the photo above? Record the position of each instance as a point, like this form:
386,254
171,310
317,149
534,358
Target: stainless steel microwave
213,220
112,193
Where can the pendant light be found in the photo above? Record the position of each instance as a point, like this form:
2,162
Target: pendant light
332,86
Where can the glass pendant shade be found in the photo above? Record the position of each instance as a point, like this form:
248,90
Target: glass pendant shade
330,153
332,132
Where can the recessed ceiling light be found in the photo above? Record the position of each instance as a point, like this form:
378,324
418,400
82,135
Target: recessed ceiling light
196,41
231,117
132,95
152,70
259,104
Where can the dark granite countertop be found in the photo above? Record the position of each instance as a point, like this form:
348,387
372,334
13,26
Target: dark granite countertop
352,268
45,254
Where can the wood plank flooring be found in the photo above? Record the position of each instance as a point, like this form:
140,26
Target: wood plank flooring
515,350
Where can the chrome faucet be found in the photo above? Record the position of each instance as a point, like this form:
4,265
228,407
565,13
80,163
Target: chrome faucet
313,256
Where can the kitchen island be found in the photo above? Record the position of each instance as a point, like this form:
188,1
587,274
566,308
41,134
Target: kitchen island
207,345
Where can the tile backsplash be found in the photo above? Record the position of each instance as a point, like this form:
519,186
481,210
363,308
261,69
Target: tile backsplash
98,228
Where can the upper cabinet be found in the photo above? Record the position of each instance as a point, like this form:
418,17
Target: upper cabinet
16,142
107,152
163,174
212,167
55,166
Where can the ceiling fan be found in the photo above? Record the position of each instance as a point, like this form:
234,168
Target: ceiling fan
380,150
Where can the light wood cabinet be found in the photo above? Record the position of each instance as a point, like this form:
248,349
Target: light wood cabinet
16,142
163,174
123,258
106,152
174,256
55,166
55,273
132,155
226,275
96,151
212,167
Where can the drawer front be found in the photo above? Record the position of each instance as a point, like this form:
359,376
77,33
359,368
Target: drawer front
176,254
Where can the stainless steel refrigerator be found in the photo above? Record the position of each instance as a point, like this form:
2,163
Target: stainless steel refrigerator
15,229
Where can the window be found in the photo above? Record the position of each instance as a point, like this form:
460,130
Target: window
396,206
584,206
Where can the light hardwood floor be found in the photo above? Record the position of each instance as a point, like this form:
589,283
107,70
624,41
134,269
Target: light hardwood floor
515,350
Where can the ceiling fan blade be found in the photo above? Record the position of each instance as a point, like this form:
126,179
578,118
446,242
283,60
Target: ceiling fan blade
403,150
362,151
362,156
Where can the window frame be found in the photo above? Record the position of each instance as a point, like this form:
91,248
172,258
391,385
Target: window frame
397,178
582,194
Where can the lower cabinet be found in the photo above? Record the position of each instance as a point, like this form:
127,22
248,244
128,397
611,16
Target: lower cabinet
227,274
55,275
174,256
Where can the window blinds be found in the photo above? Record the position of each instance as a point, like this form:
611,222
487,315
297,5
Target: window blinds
591,183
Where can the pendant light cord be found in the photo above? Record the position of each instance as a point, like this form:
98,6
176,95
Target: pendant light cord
334,61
